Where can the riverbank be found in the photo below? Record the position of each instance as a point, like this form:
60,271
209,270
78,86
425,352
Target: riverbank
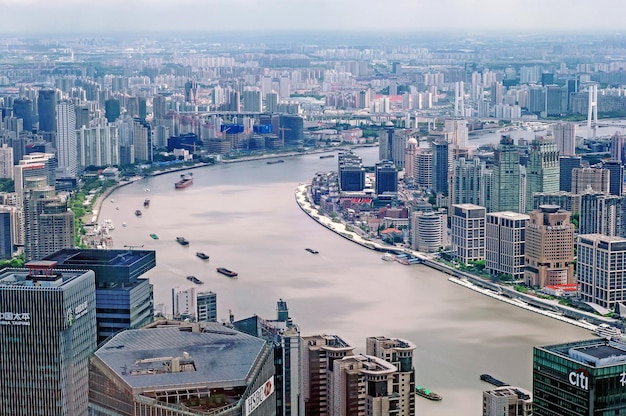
503,293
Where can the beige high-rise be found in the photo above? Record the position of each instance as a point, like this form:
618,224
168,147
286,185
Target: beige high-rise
549,247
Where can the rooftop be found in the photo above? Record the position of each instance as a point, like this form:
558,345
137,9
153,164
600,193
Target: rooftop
170,357
594,352
24,278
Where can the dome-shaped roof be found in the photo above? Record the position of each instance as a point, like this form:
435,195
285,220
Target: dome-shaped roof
389,124
412,140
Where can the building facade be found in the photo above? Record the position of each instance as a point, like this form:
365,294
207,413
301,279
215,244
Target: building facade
507,401
206,303
505,241
506,177
542,170
429,231
468,232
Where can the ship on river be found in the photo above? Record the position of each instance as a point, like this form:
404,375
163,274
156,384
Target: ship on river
185,181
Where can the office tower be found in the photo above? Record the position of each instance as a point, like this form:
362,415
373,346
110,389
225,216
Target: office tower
23,108
398,352
66,145
142,141
271,102
284,87
564,135
505,244
506,177
48,224
206,303
616,176
536,99
566,165
319,354
291,130
465,181
6,162
542,169
556,100
46,107
82,116
507,401
600,213
596,179
6,232
393,145
410,158
386,178
252,101
441,166
191,91
618,149
468,232
566,200
98,146
183,370
52,314
424,169
351,172
601,268
112,109
579,378
32,166
549,247
429,231
123,299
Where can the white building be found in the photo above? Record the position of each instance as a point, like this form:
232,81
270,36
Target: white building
66,144
429,231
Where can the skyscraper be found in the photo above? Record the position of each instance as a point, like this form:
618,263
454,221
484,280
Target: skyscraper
566,165
46,107
505,244
23,108
616,176
506,177
386,178
66,144
351,172
549,247
565,137
468,232
441,165
47,371
6,234
594,178
542,170
466,181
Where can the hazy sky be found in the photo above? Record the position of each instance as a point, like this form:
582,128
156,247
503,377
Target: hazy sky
102,16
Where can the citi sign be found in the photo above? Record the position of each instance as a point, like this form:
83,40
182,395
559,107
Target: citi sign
579,378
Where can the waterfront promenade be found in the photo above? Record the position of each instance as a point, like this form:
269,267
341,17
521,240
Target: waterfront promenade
549,308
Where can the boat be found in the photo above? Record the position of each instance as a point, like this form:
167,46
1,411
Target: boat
108,224
195,280
138,213
182,241
273,162
123,224
430,395
146,203
388,257
154,236
226,272
608,331
310,250
326,156
185,181
492,380
112,201
202,255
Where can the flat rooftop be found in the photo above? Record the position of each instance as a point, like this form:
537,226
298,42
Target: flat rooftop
22,278
594,353
218,357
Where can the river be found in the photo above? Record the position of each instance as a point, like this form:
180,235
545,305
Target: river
244,215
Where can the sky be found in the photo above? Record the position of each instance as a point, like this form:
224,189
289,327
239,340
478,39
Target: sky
470,16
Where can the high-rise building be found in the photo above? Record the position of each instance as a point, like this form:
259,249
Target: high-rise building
410,158
556,100
424,169
505,244
564,135
159,107
112,109
6,161
184,303
616,176
52,314
566,165
618,146
441,166
507,401
46,108
191,91
252,101
549,247
601,267
23,108
206,303
386,178
271,102
319,354
291,130
284,87
398,352
542,169
32,166
506,177
142,141
601,213
7,218
351,172
393,145
597,179
123,299
566,200
579,378
98,146
468,232
66,144
465,181
429,231
536,99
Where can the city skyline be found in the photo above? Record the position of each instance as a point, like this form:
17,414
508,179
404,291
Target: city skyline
532,16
